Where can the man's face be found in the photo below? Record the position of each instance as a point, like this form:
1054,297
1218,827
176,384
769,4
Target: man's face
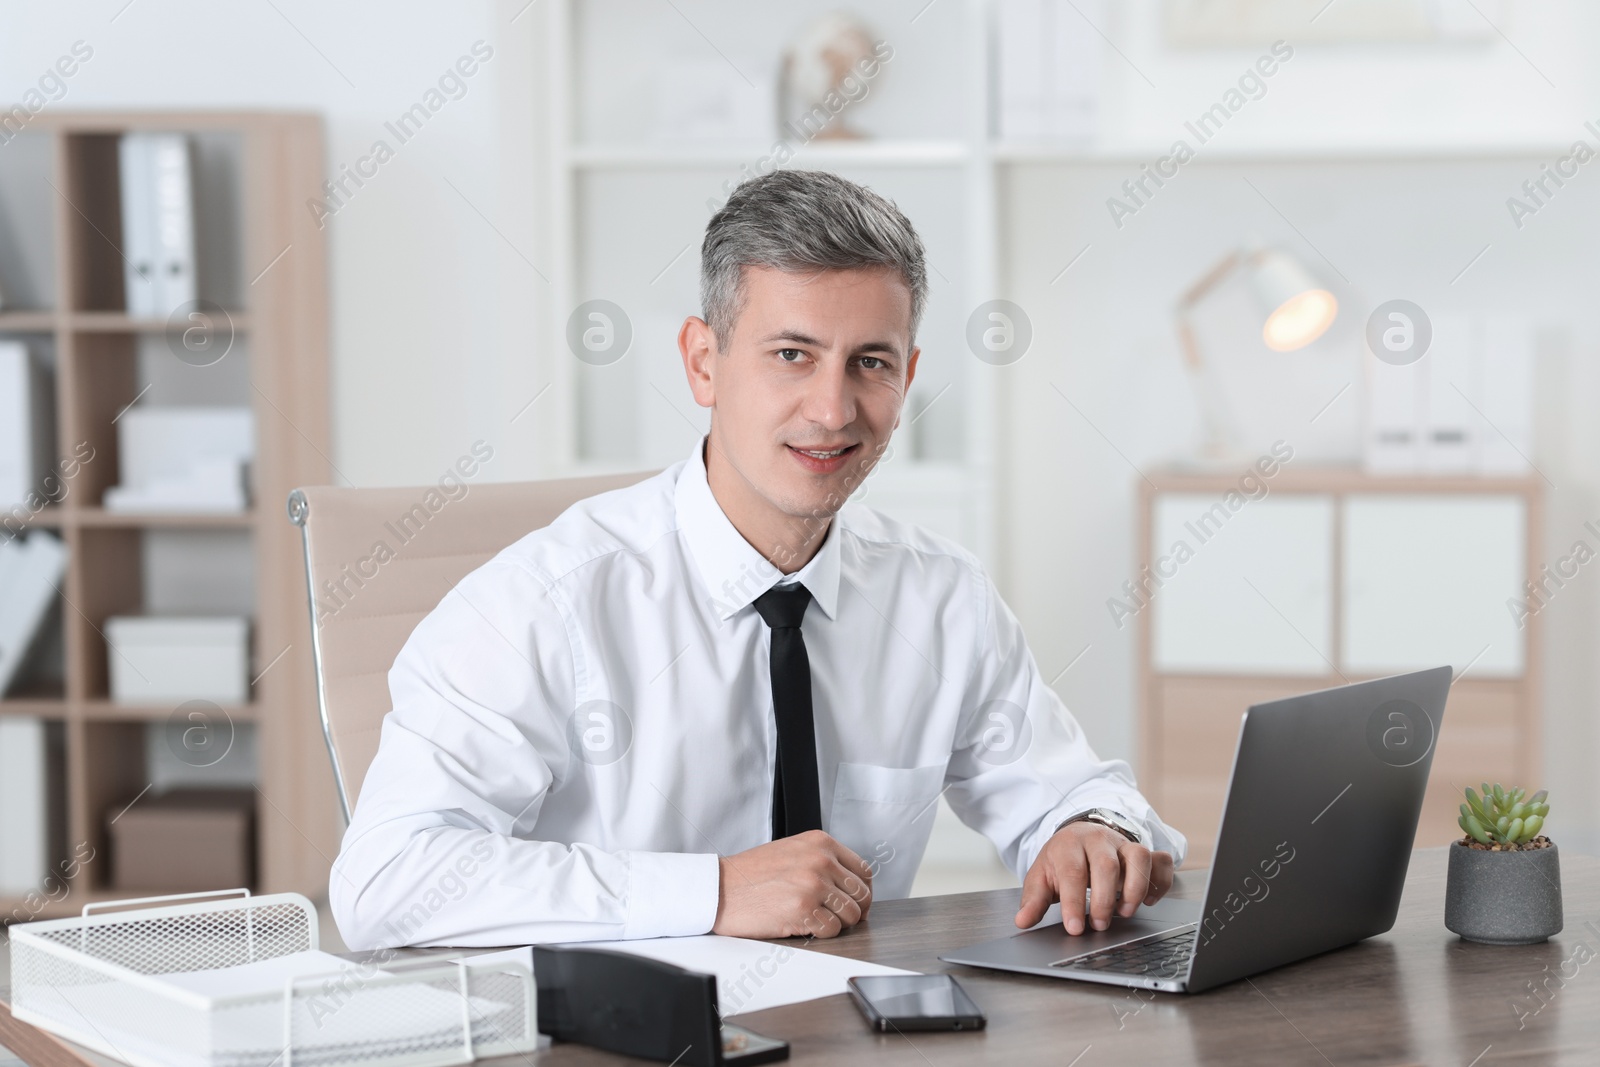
810,384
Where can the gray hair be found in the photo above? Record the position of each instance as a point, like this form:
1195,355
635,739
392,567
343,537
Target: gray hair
804,220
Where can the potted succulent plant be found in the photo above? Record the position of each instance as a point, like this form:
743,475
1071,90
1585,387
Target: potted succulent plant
1504,883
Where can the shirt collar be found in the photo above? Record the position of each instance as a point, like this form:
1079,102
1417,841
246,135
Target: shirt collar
733,571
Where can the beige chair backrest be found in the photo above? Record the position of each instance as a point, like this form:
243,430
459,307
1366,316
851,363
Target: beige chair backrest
377,561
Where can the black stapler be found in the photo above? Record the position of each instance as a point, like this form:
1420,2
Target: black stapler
641,1007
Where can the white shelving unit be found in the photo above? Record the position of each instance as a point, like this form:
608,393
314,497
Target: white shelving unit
817,156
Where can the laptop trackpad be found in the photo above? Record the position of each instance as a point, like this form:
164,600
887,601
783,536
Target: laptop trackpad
1048,943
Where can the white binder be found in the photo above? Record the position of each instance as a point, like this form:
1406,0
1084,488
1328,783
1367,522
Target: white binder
31,569
138,218
1507,397
25,774
1047,68
157,176
1396,412
1453,428
26,426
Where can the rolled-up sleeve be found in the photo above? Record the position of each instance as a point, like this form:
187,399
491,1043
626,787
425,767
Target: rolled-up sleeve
441,848
1022,763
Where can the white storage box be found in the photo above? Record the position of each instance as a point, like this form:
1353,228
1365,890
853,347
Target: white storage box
189,459
162,660
125,985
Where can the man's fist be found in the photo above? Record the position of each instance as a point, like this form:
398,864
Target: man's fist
1086,855
800,886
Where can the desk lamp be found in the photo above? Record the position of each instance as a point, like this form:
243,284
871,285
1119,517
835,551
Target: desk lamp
1297,311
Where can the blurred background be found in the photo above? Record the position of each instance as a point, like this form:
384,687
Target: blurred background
1261,356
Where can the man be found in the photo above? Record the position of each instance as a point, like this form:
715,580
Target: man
717,700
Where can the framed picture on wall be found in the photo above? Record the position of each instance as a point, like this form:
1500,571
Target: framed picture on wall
1252,23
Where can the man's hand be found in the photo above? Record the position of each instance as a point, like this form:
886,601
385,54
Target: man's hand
1086,855
805,885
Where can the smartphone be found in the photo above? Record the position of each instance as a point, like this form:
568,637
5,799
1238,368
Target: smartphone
741,1048
915,1002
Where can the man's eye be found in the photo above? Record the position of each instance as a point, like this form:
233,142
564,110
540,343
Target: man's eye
790,355
872,363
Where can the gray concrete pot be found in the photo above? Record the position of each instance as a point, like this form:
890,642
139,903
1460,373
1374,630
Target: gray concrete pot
1503,898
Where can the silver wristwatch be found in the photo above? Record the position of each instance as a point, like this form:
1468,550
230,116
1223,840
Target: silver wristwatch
1115,820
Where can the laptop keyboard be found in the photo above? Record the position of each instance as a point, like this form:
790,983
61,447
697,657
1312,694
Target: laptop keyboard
1167,957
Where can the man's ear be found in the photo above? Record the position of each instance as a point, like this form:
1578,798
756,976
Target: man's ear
697,343
911,374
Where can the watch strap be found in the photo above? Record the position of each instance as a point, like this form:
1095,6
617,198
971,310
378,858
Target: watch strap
1112,820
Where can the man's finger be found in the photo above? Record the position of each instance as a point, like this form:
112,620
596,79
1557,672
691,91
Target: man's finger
1069,866
853,887
1037,896
1105,875
1160,876
1137,866
851,873
859,889
820,922
838,902
850,861
858,892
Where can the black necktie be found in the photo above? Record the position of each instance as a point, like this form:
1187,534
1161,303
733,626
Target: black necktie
796,798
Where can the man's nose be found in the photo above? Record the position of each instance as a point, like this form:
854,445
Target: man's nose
830,401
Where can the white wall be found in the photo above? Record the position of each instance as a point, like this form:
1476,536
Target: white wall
1358,99
432,309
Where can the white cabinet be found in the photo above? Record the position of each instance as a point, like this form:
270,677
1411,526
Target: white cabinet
1424,579
1427,578
1250,591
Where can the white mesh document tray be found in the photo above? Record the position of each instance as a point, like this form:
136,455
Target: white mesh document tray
123,983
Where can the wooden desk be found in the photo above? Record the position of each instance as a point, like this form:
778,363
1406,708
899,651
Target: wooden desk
1416,995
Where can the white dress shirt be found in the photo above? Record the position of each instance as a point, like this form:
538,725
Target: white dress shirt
585,724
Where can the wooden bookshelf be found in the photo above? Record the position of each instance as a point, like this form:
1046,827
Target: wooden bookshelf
262,258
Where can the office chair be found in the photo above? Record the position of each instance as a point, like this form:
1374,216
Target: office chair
377,561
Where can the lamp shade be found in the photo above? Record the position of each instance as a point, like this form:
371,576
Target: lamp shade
1299,310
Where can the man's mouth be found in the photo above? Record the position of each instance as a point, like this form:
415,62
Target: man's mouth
823,460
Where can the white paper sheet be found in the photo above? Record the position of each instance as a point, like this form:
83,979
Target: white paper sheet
754,975
523,955
262,976
269,975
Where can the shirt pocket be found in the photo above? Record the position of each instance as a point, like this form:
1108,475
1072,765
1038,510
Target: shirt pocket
884,815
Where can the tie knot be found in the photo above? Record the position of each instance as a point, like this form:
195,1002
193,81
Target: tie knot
784,605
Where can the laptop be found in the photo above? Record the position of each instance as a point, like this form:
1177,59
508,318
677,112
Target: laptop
1311,854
